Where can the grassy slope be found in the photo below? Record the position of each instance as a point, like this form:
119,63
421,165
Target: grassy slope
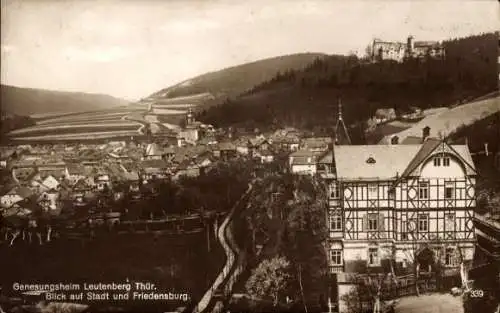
449,121
235,80
28,101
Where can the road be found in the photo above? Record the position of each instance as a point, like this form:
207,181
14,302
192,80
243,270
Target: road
433,303
231,257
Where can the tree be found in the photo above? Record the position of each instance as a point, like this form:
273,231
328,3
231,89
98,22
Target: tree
270,279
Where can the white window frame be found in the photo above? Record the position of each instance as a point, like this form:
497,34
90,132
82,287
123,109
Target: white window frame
334,191
336,255
425,219
423,186
336,220
372,191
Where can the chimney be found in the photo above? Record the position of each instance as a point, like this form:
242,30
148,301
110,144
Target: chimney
394,140
425,132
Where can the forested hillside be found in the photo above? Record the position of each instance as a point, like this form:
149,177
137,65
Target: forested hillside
308,98
234,80
31,101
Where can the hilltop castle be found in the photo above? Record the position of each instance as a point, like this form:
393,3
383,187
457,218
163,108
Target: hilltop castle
399,51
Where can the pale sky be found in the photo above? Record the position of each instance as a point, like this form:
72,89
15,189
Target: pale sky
132,48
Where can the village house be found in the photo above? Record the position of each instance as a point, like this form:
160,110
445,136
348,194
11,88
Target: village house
242,145
48,200
383,115
304,162
316,144
132,180
101,179
74,172
258,144
80,190
154,169
6,155
225,150
153,152
15,195
39,184
208,140
188,168
265,156
287,143
169,153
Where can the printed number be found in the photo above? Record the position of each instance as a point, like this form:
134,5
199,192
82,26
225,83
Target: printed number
476,293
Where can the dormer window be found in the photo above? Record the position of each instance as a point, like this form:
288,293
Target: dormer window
446,161
437,161
442,161
371,160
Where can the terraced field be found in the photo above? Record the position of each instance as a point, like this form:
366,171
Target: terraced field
99,124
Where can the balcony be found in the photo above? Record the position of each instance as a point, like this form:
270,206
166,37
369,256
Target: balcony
333,269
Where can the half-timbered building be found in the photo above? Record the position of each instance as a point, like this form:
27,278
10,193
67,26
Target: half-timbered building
392,203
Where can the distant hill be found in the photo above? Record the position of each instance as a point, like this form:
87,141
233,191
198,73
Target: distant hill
235,80
28,101
307,98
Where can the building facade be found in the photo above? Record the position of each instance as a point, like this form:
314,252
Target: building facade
398,51
391,204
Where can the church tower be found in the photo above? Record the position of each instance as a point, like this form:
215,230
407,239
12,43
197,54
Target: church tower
341,133
190,117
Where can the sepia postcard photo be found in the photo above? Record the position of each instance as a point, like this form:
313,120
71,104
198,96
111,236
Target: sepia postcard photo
231,156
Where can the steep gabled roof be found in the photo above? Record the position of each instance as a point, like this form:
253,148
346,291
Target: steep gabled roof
372,162
228,146
428,147
316,142
412,140
153,149
153,164
425,150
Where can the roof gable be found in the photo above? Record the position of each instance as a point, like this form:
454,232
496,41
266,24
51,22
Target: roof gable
425,150
433,146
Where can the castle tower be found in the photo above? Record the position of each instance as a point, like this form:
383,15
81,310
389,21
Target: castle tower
410,45
341,133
